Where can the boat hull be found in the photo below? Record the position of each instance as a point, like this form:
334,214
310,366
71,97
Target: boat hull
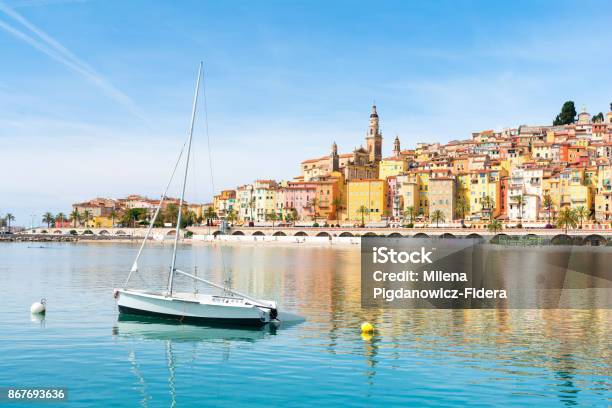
209,321
208,311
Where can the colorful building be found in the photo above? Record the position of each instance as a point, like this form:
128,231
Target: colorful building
366,200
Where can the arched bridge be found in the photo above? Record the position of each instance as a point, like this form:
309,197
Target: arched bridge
554,236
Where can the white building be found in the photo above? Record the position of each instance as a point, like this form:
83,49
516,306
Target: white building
245,204
525,183
264,192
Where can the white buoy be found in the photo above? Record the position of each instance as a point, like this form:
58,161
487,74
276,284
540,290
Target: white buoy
39,307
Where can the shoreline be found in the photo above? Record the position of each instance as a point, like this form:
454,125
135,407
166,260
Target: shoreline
194,240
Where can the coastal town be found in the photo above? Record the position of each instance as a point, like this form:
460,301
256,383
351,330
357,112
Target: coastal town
549,174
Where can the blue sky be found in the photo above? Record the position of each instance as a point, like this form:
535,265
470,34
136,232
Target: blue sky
95,95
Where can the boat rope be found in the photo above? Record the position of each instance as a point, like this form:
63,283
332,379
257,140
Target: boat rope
157,211
210,165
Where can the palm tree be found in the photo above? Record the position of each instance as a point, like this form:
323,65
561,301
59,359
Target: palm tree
567,218
437,216
272,216
60,218
190,218
86,217
487,203
582,213
231,216
75,217
409,212
291,215
9,217
170,215
314,202
252,207
336,202
494,226
363,210
463,206
48,219
548,203
113,215
520,201
210,215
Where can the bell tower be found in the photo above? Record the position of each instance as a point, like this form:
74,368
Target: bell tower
374,138
334,159
396,147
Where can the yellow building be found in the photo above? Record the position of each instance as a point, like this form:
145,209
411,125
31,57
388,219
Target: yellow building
392,166
581,195
422,179
368,193
556,188
541,150
408,190
100,222
484,193
442,197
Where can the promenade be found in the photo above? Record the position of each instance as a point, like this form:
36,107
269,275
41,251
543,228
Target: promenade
587,235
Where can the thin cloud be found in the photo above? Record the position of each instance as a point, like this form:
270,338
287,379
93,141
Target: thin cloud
43,3
54,49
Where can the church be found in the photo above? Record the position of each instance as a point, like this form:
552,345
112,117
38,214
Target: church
362,163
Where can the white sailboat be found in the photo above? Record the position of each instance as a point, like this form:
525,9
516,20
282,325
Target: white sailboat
229,307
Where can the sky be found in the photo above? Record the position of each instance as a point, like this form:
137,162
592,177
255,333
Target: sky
95,96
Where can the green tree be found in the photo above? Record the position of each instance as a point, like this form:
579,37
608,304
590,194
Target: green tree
210,215
188,219
582,213
336,202
495,226
60,218
132,215
113,215
314,203
363,210
463,206
567,218
548,203
75,217
567,115
86,217
9,218
170,215
437,216
520,201
252,207
487,204
231,216
48,219
271,216
410,213
291,215
599,118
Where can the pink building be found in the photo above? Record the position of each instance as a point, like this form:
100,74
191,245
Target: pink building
298,196
392,201
63,224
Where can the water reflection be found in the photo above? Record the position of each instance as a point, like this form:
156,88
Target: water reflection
169,333
148,328
415,357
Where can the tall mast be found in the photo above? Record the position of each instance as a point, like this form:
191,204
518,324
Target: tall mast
180,208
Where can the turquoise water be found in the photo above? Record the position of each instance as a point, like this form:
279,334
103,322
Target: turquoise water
417,357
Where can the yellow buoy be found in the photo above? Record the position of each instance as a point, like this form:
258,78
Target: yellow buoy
366,327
